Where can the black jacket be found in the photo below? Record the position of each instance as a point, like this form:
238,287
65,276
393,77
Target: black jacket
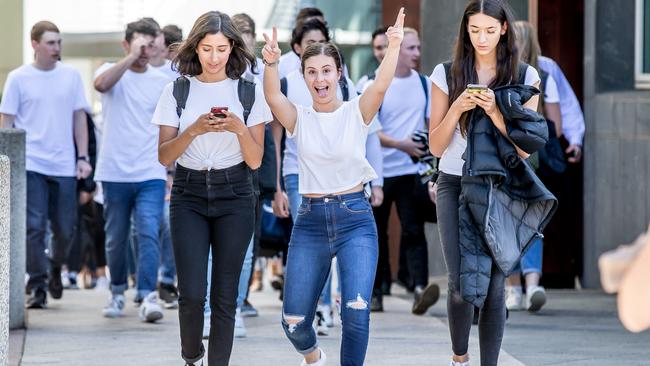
504,206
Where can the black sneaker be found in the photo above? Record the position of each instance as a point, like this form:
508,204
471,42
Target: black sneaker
425,298
277,282
376,304
55,286
37,300
168,294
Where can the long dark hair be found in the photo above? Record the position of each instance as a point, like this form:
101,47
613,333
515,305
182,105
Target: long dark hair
463,68
213,22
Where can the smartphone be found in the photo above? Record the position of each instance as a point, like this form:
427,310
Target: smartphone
476,88
218,111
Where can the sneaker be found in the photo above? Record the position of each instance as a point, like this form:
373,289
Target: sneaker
206,326
240,329
102,283
169,295
65,279
328,316
376,304
150,311
535,298
513,298
37,300
454,363
248,310
277,282
425,298
72,278
115,307
54,285
197,363
320,362
321,327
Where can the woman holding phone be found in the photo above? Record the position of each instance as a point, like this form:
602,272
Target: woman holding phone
335,217
485,54
212,201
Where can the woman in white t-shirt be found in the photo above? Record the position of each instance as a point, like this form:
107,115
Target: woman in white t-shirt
335,217
485,53
212,201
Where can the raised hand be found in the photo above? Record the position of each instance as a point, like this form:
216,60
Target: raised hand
271,51
395,34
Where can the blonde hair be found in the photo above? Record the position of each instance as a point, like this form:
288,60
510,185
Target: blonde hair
409,30
529,49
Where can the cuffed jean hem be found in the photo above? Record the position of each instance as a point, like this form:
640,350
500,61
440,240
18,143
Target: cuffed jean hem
308,350
143,293
194,359
119,289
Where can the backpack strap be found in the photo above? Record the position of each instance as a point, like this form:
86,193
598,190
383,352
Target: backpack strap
246,94
423,81
180,91
283,86
523,68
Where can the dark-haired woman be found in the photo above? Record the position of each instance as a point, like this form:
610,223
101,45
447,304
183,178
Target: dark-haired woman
335,217
212,202
485,53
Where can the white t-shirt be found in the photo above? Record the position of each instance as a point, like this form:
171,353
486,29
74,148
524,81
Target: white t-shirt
44,103
451,161
551,93
288,62
402,112
166,69
129,147
212,150
331,149
298,93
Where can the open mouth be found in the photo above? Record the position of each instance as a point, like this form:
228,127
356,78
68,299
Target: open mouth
322,91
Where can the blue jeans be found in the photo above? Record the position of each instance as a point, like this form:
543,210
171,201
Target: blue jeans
167,269
243,278
531,262
54,200
291,186
341,226
145,200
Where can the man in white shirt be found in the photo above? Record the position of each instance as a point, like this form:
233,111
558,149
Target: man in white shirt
132,179
55,124
163,55
404,111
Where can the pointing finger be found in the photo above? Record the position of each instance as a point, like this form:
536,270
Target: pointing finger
399,22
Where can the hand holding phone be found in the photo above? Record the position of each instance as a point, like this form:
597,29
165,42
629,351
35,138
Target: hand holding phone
218,111
476,88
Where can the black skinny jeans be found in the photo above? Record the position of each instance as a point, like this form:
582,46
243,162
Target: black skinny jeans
460,313
210,209
401,190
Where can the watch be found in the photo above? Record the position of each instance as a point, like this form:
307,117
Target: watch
84,158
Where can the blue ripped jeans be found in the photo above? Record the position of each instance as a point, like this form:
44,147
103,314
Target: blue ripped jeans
341,226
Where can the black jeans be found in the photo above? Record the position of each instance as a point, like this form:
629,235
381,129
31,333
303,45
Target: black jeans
460,313
54,200
401,190
210,209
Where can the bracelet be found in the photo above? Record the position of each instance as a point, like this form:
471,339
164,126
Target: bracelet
84,158
269,63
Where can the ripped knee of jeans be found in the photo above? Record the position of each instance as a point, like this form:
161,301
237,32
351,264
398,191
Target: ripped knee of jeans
292,321
357,304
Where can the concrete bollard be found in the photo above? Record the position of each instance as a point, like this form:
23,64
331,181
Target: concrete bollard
5,213
12,144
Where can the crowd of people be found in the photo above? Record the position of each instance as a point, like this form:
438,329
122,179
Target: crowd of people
216,155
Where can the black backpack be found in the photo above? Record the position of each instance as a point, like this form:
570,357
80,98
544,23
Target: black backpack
265,176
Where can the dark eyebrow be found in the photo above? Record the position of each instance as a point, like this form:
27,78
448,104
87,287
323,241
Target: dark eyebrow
491,27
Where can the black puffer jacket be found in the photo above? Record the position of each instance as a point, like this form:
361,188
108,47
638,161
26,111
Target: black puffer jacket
503,204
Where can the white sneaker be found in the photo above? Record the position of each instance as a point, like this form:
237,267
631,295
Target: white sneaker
206,326
454,363
102,283
328,315
240,329
114,307
150,311
535,298
513,298
320,362
65,279
319,324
